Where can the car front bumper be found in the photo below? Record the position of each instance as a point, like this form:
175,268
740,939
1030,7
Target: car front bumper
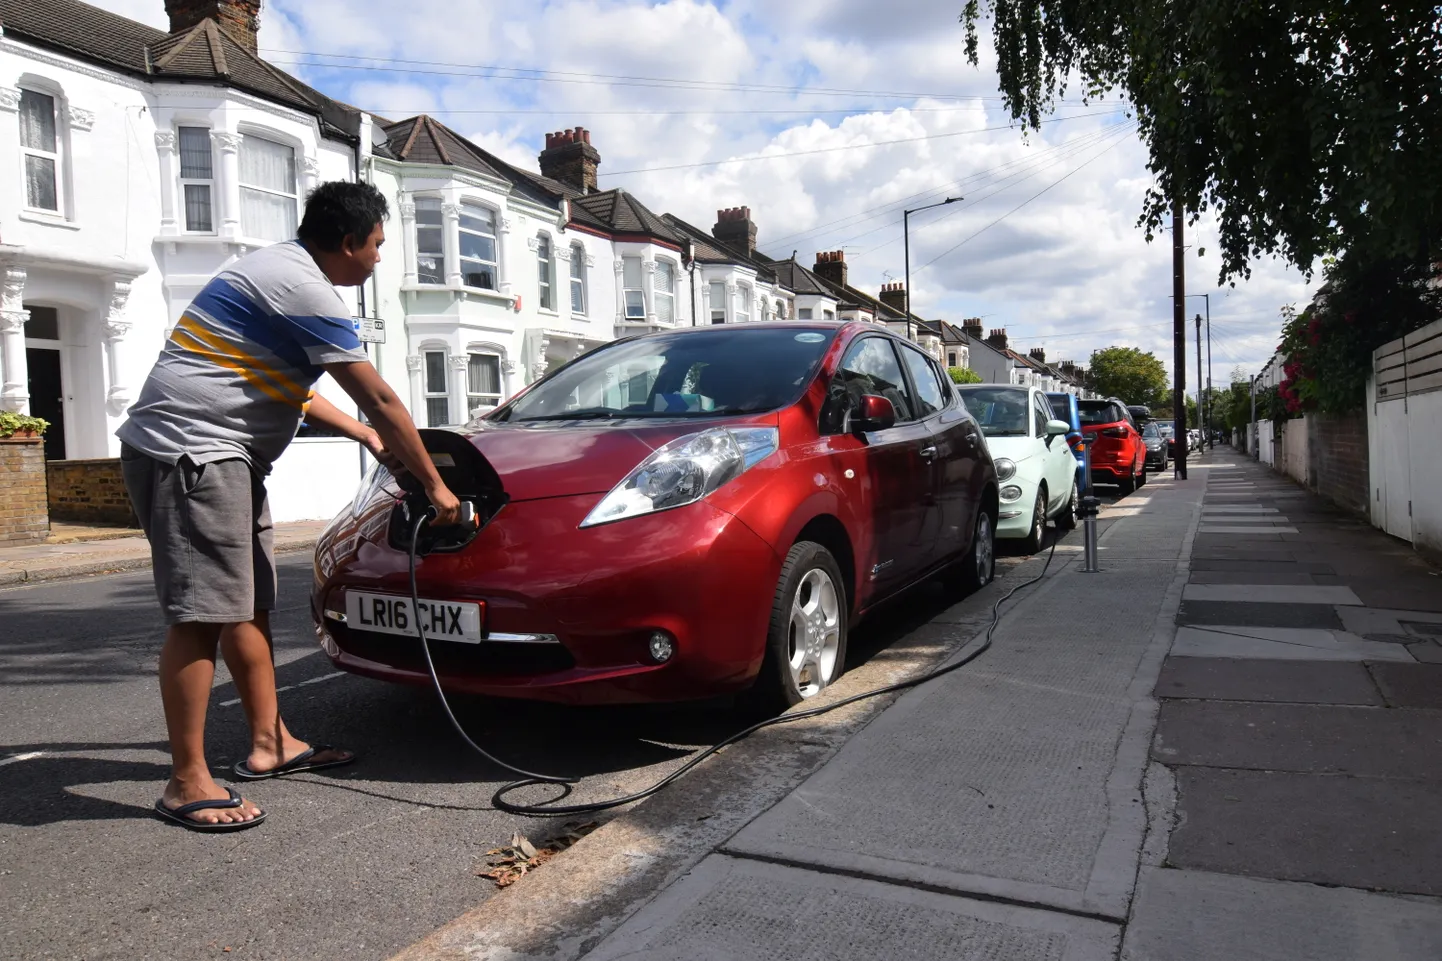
1014,519
696,573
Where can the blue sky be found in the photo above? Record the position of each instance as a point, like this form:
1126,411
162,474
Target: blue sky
1045,242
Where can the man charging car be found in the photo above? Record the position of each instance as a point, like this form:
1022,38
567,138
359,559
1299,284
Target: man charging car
225,398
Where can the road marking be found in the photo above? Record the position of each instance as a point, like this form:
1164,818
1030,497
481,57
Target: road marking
289,687
21,757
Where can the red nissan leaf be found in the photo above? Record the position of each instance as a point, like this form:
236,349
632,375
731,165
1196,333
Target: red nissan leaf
670,517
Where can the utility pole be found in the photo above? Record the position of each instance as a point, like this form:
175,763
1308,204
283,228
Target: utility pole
1201,417
1179,341
1211,442
906,247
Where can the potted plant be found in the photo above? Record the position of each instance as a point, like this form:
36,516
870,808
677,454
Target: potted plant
21,426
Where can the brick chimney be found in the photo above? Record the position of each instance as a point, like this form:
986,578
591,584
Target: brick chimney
997,338
735,229
1038,354
971,327
238,18
570,158
831,265
894,296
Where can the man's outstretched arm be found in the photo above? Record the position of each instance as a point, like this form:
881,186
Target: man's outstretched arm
392,424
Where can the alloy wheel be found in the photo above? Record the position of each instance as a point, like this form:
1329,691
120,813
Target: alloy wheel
815,635
985,552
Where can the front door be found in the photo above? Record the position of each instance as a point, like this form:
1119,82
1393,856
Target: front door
952,440
47,397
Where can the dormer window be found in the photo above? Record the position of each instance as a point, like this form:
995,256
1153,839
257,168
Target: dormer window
40,148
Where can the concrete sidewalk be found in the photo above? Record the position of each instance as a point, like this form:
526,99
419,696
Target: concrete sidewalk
112,554
997,812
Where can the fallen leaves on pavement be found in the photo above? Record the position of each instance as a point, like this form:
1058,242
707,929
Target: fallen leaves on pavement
509,864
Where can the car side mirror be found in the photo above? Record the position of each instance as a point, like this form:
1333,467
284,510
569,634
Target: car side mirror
874,413
1055,427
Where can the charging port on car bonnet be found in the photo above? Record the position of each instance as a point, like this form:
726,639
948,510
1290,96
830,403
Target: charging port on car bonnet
470,477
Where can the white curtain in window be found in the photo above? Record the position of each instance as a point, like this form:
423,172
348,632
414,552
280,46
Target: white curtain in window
664,288
578,279
267,191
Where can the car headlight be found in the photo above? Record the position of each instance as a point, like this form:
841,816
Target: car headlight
1010,492
684,471
377,480
1005,468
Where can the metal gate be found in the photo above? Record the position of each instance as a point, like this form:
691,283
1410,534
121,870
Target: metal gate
1405,434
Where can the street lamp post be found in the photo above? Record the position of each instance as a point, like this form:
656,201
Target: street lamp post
906,243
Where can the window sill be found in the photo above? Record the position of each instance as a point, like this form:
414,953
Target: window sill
547,312
480,293
48,219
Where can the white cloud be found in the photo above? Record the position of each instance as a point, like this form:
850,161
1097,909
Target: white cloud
1070,270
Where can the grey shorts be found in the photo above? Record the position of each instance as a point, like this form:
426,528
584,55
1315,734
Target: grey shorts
211,540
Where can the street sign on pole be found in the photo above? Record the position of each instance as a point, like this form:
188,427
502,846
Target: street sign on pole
372,330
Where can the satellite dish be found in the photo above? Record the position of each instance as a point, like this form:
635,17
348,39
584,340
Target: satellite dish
379,138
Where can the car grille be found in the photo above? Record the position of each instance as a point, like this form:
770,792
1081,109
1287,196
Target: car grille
497,658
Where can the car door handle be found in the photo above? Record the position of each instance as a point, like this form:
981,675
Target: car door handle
928,453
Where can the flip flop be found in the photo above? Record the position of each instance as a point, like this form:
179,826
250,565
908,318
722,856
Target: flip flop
296,765
180,815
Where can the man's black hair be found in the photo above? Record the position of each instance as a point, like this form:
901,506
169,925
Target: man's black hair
340,209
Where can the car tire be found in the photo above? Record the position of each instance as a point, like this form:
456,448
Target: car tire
978,567
806,641
1142,477
1127,484
1034,538
1066,520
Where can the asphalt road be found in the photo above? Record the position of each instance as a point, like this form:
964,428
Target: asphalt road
354,863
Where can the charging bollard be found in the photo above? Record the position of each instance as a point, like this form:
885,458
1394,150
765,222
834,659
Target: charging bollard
1090,507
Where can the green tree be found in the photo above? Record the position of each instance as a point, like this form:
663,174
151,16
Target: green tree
1307,125
963,375
1134,376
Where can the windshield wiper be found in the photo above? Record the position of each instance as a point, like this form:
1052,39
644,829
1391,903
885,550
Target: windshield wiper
1004,433
583,413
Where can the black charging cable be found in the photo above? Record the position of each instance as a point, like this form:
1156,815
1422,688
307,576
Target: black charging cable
553,807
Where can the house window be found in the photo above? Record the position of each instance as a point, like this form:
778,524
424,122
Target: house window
804,313
430,241
438,407
663,292
267,189
634,293
578,279
543,272
951,358
40,147
197,179
483,381
478,246
829,314
718,303
743,303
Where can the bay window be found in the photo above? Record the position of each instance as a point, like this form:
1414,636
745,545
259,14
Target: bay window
543,273
663,292
483,381
40,150
743,303
578,279
268,208
430,242
438,406
478,246
803,313
634,293
197,179
718,302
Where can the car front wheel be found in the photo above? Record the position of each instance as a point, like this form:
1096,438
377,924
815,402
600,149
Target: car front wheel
1037,534
806,643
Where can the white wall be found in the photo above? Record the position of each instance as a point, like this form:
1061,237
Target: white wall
1266,452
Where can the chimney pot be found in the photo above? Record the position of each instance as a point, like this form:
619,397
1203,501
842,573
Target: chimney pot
735,229
569,158
831,264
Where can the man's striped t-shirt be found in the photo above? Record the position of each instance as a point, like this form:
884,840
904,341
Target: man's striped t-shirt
239,369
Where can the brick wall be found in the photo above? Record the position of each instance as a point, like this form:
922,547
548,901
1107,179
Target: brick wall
23,518
89,492
1338,452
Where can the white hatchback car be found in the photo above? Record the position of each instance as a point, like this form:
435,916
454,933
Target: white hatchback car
1034,465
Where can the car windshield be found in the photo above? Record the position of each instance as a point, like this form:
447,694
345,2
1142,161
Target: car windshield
705,373
1099,412
1001,411
1060,406
1151,432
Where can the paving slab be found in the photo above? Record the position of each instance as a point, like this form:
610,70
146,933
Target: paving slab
1258,614
1423,625
1271,594
1237,509
1220,561
1255,577
1426,652
1307,738
1283,644
1373,833
1244,530
1409,685
1259,679
1202,916
729,908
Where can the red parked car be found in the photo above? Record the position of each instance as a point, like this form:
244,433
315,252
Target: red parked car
1118,453
684,514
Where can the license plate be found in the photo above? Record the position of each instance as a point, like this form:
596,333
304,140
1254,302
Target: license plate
393,614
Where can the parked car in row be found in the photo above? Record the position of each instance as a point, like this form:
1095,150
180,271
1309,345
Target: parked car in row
1034,466
1157,458
685,514
1118,455
1064,407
